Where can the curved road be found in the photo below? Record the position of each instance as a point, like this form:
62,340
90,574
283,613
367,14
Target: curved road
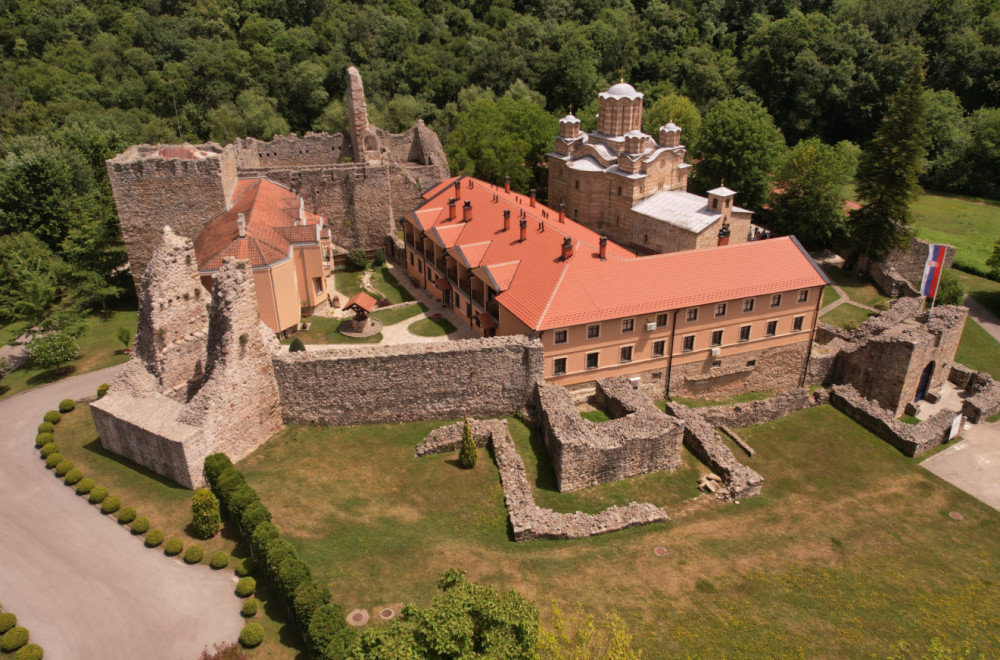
81,584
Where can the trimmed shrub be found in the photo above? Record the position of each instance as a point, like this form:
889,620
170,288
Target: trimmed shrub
468,454
308,598
63,467
48,449
53,459
73,477
245,567
292,573
239,500
7,621
219,560
250,607
216,464
328,631
110,504
276,552
154,538
140,525
173,547
252,635
227,484
379,258
46,427
254,515
43,439
85,486
52,417
29,652
102,389
205,517
13,639
98,495
193,554
296,346
126,515
245,587
264,534
67,405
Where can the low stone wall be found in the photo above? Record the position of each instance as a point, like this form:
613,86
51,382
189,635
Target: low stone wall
449,437
778,368
909,439
752,413
985,399
640,440
377,384
825,333
892,282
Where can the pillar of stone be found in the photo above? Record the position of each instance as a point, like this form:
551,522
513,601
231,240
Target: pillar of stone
363,139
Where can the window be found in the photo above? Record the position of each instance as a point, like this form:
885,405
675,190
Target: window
594,331
692,314
715,203
797,323
628,325
411,258
592,360
688,344
318,285
558,366
619,191
751,363
559,337
772,329
717,338
661,320
716,363
745,333
803,296
748,305
720,309
658,348
776,300
625,355
577,184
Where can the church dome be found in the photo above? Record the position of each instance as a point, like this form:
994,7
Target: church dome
623,90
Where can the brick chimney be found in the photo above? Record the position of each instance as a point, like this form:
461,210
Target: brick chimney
567,248
458,189
241,225
452,212
532,198
724,234
506,184
506,219
524,229
604,248
562,213
467,211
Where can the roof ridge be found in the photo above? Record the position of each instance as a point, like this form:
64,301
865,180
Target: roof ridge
548,303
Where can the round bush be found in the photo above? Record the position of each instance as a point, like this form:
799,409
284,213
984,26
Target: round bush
173,547
126,515
29,652
63,467
13,639
7,621
250,606
52,417
46,427
245,587
85,486
245,567
43,439
219,560
102,389
154,538
48,449
140,525
193,554
252,635
111,504
73,477
98,494
67,405
53,459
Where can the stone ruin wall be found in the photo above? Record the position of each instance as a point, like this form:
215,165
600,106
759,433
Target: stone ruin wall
753,413
983,391
779,368
909,262
380,384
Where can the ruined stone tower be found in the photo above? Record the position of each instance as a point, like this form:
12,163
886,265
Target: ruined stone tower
363,139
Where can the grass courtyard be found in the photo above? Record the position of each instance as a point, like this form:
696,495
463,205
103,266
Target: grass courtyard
845,314
971,225
858,289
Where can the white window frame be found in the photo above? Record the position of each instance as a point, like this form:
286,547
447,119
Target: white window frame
767,325
711,337
803,296
753,303
773,304
740,338
565,365
555,336
684,339
663,348
631,329
586,360
631,353
594,325
799,321
687,315
725,308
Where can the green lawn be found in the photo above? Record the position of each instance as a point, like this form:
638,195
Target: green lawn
830,295
858,289
399,314
693,402
596,416
327,331
840,316
10,332
986,292
971,225
348,283
432,327
979,350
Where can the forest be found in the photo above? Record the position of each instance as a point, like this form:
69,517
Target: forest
80,80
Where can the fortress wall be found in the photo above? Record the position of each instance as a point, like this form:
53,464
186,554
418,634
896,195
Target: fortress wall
311,150
778,368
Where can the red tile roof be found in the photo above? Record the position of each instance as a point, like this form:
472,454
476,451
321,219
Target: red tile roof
270,211
545,291
362,300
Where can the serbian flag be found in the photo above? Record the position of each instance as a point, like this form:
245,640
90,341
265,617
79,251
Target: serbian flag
932,270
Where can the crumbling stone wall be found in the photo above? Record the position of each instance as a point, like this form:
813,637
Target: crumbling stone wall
985,392
909,262
374,384
640,439
766,410
778,368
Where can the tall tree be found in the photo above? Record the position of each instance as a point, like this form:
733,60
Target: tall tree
889,170
678,109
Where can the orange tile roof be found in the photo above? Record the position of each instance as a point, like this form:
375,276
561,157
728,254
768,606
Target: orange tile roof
362,300
270,211
545,291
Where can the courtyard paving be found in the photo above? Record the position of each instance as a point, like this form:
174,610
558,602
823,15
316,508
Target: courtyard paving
973,465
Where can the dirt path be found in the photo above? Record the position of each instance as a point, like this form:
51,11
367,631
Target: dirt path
983,317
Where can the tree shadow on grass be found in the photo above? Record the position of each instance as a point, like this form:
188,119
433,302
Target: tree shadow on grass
94,446
545,479
989,299
288,635
51,375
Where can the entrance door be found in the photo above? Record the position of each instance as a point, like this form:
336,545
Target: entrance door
925,379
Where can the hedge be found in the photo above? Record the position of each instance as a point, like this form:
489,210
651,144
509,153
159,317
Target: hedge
53,459
193,554
126,515
245,587
52,417
154,538
73,477
276,552
245,567
292,573
140,525
264,534
48,449
7,621
102,389
111,504
174,547
63,467
85,486
46,427
239,500
67,405
219,560
98,494
29,652
216,464
43,439
228,482
254,515
252,635
308,598
249,608
328,626
13,639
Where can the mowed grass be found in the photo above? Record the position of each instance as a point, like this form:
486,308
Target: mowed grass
846,313
978,349
324,330
971,225
858,289
830,295
348,283
694,402
431,327
986,292
848,551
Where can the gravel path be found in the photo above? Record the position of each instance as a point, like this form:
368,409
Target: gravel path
983,317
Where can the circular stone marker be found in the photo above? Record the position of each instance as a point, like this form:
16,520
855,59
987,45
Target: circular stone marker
357,617
955,515
660,551
386,613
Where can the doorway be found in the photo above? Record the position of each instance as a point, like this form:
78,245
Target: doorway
925,380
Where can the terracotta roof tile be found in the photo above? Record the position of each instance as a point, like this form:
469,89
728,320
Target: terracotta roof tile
362,300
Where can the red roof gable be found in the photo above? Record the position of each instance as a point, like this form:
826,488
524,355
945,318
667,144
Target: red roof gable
362,300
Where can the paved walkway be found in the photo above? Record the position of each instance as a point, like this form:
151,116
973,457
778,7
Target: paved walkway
983,317
81,584
972,465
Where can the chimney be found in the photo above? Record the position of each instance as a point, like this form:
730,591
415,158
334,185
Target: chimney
506,184
506,219
241,224
458,189
604,248
451,208
524,229
724,234
532,198
562,213
567,248
541,225
467,211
